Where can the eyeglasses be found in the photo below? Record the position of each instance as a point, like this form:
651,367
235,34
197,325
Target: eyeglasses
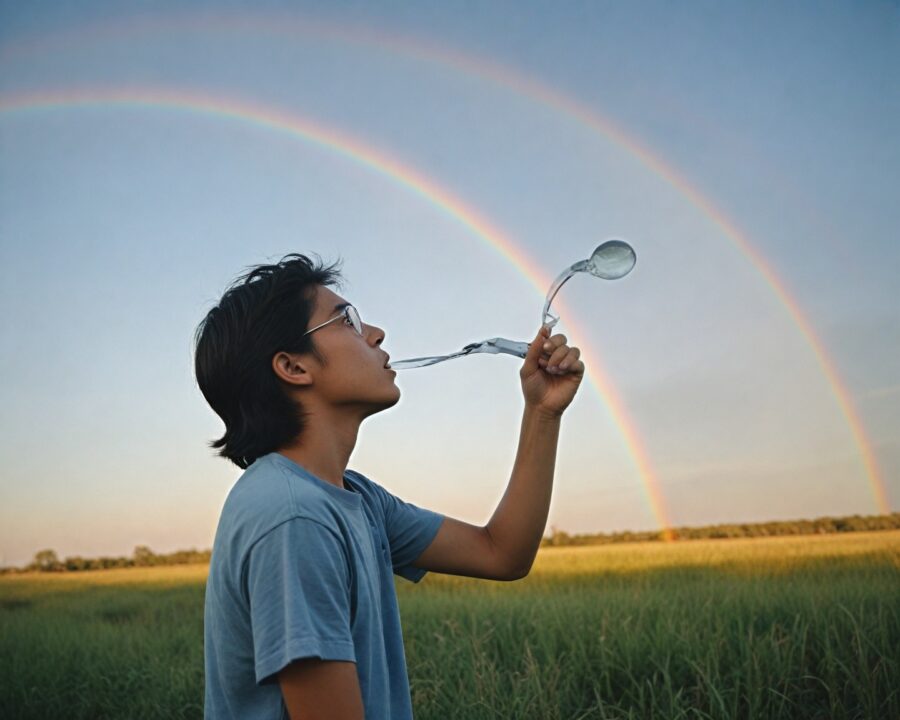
349,313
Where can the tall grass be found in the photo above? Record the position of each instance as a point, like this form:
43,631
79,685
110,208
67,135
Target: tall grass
805,627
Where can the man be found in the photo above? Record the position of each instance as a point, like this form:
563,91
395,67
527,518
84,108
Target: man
301,614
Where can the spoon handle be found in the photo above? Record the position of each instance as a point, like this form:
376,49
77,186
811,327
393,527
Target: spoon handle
493,346
423,361
507,347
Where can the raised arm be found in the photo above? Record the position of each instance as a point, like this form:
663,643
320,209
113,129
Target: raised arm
505,548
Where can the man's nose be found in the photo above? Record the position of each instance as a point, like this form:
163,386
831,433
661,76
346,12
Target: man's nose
377,333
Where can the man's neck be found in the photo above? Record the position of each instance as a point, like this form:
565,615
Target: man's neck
326,445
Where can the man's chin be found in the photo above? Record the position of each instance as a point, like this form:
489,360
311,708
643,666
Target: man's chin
385,402
394,399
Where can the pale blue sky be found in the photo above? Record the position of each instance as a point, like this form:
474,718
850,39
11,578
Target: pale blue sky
119,227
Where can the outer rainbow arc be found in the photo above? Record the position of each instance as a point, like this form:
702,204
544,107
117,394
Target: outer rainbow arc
486,69
409,178
586,116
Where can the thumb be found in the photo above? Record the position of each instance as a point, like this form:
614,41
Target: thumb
535,349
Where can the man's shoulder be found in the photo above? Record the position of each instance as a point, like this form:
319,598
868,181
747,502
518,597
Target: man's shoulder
268,495
374,493
262,487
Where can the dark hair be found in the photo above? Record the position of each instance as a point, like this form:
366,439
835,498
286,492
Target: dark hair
263,312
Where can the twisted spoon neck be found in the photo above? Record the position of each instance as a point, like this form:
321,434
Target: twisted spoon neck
549,318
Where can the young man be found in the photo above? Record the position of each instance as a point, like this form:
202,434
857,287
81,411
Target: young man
301,615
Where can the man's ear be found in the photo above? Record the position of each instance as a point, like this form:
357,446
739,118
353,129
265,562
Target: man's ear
292,369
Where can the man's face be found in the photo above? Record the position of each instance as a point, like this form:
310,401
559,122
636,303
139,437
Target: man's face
354,375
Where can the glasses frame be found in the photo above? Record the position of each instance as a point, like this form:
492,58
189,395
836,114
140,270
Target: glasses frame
350,313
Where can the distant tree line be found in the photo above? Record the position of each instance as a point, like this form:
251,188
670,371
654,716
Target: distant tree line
48,561
819,526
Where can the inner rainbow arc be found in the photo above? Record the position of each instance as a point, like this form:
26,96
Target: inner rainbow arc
411,179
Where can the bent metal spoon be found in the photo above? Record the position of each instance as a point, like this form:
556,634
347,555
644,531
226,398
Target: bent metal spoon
611,260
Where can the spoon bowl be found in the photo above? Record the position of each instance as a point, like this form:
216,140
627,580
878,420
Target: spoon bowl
612,260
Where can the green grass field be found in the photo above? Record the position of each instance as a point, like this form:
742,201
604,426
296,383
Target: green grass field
802,627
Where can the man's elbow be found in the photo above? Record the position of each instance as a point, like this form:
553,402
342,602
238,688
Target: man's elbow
504,568
514,572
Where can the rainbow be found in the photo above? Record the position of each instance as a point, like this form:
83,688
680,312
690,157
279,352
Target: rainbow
488,70
352,150
587,117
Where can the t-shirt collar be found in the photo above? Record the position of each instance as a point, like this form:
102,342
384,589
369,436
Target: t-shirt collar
350,496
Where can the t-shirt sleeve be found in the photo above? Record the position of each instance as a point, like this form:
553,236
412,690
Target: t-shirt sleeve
299,589
410,529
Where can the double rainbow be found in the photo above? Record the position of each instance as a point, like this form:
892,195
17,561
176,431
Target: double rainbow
429,190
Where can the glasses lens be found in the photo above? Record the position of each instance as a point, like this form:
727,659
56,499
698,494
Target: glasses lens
354,319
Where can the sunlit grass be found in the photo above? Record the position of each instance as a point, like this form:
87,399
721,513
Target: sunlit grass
791,627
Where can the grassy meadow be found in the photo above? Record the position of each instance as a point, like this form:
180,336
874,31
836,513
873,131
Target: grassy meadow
796,627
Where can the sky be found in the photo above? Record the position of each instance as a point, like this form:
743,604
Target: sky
456,157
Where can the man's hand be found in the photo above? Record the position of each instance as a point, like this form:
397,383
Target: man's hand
550,374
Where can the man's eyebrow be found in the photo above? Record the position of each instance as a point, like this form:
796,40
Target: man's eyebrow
340,306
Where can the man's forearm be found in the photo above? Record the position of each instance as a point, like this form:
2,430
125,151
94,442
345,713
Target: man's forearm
518,523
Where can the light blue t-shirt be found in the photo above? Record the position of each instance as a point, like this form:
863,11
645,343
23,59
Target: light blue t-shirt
301,568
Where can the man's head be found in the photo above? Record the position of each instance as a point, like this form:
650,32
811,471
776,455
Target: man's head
264,375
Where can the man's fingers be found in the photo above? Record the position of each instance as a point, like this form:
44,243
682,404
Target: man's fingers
570,358
535,350
558,356
562,359
556,341
552,354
